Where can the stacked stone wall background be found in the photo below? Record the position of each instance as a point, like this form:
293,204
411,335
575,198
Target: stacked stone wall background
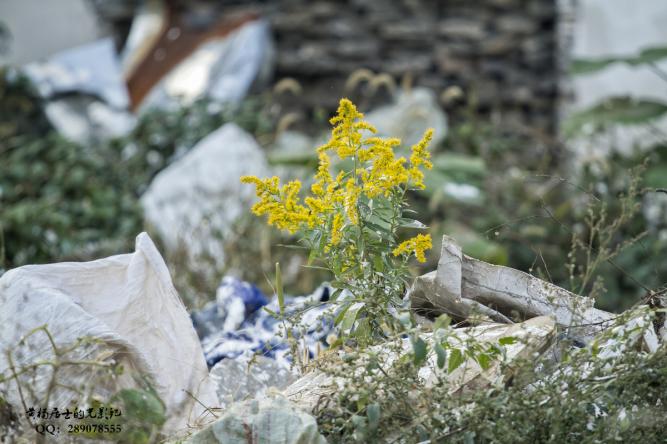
508,54
502,52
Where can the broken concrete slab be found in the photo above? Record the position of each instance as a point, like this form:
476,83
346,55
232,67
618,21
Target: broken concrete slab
270,421
240,379
504,292
532,336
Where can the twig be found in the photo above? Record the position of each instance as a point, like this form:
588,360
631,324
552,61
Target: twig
208,409
658,71
18,384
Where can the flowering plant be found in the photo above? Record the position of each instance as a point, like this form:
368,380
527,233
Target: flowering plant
351,222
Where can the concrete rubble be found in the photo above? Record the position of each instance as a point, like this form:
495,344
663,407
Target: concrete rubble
271,421
531,336
462,285
240,379
253,391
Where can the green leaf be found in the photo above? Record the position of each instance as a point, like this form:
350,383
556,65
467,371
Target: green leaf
508,340
315,251
359,423
292,247
271,312
373,414
455,359
419,349
334,294
349,318
441,355
363,330
279,289
378,263
589,66
656,176
143,405
442,321
410,223
616,111
646,56
649,55
460,167
376,230
484,360
341,314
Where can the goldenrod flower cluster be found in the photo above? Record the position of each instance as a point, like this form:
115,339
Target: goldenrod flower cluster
334,203
416,245
280,203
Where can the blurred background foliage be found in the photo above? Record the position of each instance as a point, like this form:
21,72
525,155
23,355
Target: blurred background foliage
507,198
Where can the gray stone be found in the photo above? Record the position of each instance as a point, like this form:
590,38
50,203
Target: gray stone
244,378
410,116
405,62
441,43
407,30
356,49
267,421
504,4
517,24
500,44
458,28
450,62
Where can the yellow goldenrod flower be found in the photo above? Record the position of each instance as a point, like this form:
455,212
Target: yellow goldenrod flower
416,245
337,229
420,155
350,199
334,200
340,218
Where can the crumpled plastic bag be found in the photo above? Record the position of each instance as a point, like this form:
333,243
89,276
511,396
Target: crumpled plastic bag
127,303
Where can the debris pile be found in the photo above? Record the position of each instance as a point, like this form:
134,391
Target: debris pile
128,309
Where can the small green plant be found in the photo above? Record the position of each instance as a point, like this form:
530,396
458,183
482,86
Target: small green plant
609,391
601,243
141,412
351,222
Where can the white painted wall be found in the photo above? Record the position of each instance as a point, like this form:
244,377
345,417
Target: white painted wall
619,28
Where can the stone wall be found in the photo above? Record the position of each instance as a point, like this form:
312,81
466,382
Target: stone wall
503,52
507,54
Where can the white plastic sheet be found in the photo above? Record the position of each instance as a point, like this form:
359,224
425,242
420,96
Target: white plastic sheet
126,301
194,202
